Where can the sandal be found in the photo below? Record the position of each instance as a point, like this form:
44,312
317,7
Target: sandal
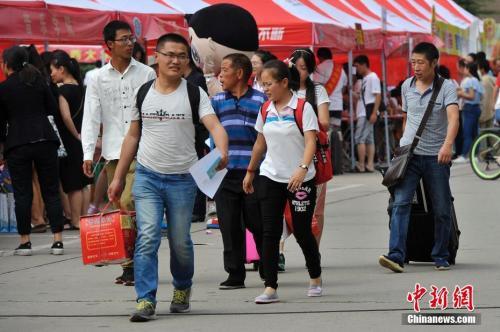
70,227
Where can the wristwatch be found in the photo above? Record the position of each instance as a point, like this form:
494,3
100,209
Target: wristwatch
304,166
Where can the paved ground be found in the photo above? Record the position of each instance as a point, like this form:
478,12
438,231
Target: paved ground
57,293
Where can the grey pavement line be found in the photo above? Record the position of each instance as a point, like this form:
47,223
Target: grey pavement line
10,253
41,265
236,313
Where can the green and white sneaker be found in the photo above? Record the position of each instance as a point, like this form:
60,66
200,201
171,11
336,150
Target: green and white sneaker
144,311
281,263
180,301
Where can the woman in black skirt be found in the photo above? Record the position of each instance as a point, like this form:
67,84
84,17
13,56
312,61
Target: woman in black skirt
65,72
25,103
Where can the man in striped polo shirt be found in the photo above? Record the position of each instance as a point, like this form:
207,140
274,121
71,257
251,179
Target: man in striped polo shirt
237,108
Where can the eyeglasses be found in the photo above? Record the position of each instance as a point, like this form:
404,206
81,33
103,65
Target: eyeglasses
171,56
125,40
267,85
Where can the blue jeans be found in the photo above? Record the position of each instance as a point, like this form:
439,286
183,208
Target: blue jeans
436,177
470,115
157,194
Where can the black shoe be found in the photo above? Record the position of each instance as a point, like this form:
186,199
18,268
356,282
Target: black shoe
24,249
231,284
57,248
127,277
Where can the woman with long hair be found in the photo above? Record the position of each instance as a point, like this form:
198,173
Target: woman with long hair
286,174
25,103
65,72
471,91
316,95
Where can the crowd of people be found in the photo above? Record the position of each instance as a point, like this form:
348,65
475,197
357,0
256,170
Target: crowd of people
133,131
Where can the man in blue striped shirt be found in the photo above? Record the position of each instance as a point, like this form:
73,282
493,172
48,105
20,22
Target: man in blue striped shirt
237,109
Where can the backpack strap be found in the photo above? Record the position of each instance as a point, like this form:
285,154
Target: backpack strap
194,102
299,113
141,95
263,111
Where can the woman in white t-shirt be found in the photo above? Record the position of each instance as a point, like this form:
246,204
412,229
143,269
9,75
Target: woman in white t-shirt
316,95
286,174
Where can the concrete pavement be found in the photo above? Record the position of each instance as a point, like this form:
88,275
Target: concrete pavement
57,293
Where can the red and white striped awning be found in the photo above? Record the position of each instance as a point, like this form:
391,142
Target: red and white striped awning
281,22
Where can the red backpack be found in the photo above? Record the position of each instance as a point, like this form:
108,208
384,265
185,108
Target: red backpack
323,156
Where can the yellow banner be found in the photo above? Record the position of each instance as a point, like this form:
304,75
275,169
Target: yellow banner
454,39
490,38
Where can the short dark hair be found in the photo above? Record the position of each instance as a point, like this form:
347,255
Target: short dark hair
461,63
324,53
473,56
173,38
362,60
240,61
109,32
429,50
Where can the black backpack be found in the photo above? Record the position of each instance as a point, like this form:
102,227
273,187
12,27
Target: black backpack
201,133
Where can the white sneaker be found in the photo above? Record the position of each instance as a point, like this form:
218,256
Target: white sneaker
265,299
461,160
315,291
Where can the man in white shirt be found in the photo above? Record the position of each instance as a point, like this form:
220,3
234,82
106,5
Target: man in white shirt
108,101
333,77
366,112
163,135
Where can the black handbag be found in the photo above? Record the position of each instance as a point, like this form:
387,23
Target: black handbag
402,155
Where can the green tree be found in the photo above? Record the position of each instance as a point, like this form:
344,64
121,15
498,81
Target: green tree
475,7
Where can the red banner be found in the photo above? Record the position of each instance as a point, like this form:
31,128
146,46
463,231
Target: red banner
62,25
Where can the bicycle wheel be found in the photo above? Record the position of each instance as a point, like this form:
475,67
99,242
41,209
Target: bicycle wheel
485,156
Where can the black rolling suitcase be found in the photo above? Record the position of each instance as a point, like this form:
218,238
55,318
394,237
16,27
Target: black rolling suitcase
336,146
420,239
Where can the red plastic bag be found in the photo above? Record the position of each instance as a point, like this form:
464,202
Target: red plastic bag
288,219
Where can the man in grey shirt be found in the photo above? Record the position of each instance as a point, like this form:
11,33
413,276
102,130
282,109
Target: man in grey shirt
431,160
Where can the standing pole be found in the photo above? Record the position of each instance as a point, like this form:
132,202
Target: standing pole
351,111
384,94
384,87
410,48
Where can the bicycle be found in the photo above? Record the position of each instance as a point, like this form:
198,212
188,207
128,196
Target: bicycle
485,154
